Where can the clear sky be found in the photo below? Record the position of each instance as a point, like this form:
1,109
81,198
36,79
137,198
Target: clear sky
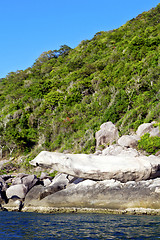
30,27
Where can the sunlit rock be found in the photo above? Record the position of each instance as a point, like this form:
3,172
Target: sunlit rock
99,167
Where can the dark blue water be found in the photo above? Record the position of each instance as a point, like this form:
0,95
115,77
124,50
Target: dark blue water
15,225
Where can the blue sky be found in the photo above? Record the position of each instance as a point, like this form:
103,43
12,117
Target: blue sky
30,27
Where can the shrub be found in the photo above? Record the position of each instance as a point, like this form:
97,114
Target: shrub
149,144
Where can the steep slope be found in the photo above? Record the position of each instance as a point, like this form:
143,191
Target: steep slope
60,102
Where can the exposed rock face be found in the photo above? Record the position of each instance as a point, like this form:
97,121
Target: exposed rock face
33,196
39,192
107,134
105,194
15,194
122,168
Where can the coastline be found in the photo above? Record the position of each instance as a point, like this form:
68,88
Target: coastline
128,211
118,180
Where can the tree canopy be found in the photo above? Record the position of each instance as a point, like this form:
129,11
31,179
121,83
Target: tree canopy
61,101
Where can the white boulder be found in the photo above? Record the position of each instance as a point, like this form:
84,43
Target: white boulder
16,191
148,128
120,167
117,150
107,134
128,141
112,150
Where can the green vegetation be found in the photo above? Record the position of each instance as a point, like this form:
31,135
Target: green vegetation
61,101
149,144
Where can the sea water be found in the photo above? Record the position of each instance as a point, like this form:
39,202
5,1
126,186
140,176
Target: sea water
19,225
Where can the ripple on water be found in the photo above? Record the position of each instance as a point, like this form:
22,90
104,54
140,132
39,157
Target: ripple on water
15,225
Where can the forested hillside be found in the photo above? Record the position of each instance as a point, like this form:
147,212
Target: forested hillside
60,102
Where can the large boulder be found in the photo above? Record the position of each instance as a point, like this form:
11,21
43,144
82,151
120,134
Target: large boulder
33,196
16,191
28,180
148,128
107,134
122,168
128,141
115,150
108,194
60,179
18,178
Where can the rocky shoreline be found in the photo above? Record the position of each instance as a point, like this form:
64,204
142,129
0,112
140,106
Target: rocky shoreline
116,180
129,211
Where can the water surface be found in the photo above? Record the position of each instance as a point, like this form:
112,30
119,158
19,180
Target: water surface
19,225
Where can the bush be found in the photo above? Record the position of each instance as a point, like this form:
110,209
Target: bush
149,144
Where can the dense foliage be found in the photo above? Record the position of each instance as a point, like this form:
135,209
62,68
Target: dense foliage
149,143
60,102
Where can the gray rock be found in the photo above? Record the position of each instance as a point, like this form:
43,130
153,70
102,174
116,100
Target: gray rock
17,180
16,191
3,185
128,141
107,134
16,204
46,182
98,152
120,167
60,177
33,196
51,189
117,150
113,150
61,181
155,132
43,175
29,181
129,152
108,194
21,175
148,128
76,180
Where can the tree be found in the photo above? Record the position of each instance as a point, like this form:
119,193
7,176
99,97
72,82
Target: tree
64,50
45,56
